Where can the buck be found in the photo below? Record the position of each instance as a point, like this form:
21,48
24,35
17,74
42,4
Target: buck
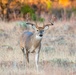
30,42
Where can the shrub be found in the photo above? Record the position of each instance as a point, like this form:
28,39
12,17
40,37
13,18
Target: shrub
74,10
34,17
27,9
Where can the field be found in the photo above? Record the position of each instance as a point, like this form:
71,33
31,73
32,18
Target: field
57,56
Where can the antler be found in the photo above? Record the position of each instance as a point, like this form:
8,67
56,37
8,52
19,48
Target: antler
33,24
30,23
36,24
49,24
52,21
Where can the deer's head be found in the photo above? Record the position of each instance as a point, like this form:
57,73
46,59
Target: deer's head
39,31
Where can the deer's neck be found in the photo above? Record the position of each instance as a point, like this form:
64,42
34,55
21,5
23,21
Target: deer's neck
36,40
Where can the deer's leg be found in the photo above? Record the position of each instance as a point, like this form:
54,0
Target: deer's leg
24,54
37,60
37,57
27,56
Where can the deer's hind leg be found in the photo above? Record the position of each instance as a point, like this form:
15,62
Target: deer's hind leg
26,55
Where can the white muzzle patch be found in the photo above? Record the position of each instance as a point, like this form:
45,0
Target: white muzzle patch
38,37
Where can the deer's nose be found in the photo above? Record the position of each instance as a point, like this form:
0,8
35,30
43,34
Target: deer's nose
41,35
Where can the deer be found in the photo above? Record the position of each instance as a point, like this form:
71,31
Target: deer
30,42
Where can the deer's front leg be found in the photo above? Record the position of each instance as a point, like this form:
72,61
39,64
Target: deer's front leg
37,57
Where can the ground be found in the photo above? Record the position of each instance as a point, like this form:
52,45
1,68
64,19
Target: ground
57,56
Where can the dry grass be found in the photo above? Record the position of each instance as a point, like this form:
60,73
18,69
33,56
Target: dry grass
58,52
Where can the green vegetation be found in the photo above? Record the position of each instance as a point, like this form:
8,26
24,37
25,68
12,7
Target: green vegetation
41,19
34,17
27,9
61,62
74,10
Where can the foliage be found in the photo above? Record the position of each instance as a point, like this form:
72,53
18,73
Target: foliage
74,10
34,17
41,19
48,4
27,9
64,3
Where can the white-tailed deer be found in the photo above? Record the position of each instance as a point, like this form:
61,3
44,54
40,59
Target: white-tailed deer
30,42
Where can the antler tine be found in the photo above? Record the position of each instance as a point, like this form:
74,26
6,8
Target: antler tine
36,24
49,24
52,21
30,23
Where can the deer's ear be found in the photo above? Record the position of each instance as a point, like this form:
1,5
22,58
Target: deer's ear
46,27
34,27
31,25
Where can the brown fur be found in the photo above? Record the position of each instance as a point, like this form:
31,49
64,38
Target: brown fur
31,42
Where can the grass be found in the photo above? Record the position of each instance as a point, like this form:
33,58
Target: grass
61,62
56,55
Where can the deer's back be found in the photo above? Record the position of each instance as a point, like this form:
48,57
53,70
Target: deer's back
27,34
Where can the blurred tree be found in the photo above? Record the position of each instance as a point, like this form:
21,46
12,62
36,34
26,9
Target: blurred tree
52,0
28,12
37,6
64,4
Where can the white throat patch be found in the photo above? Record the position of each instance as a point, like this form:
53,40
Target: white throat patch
38,37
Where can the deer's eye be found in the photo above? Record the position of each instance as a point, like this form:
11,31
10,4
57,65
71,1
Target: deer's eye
37,30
